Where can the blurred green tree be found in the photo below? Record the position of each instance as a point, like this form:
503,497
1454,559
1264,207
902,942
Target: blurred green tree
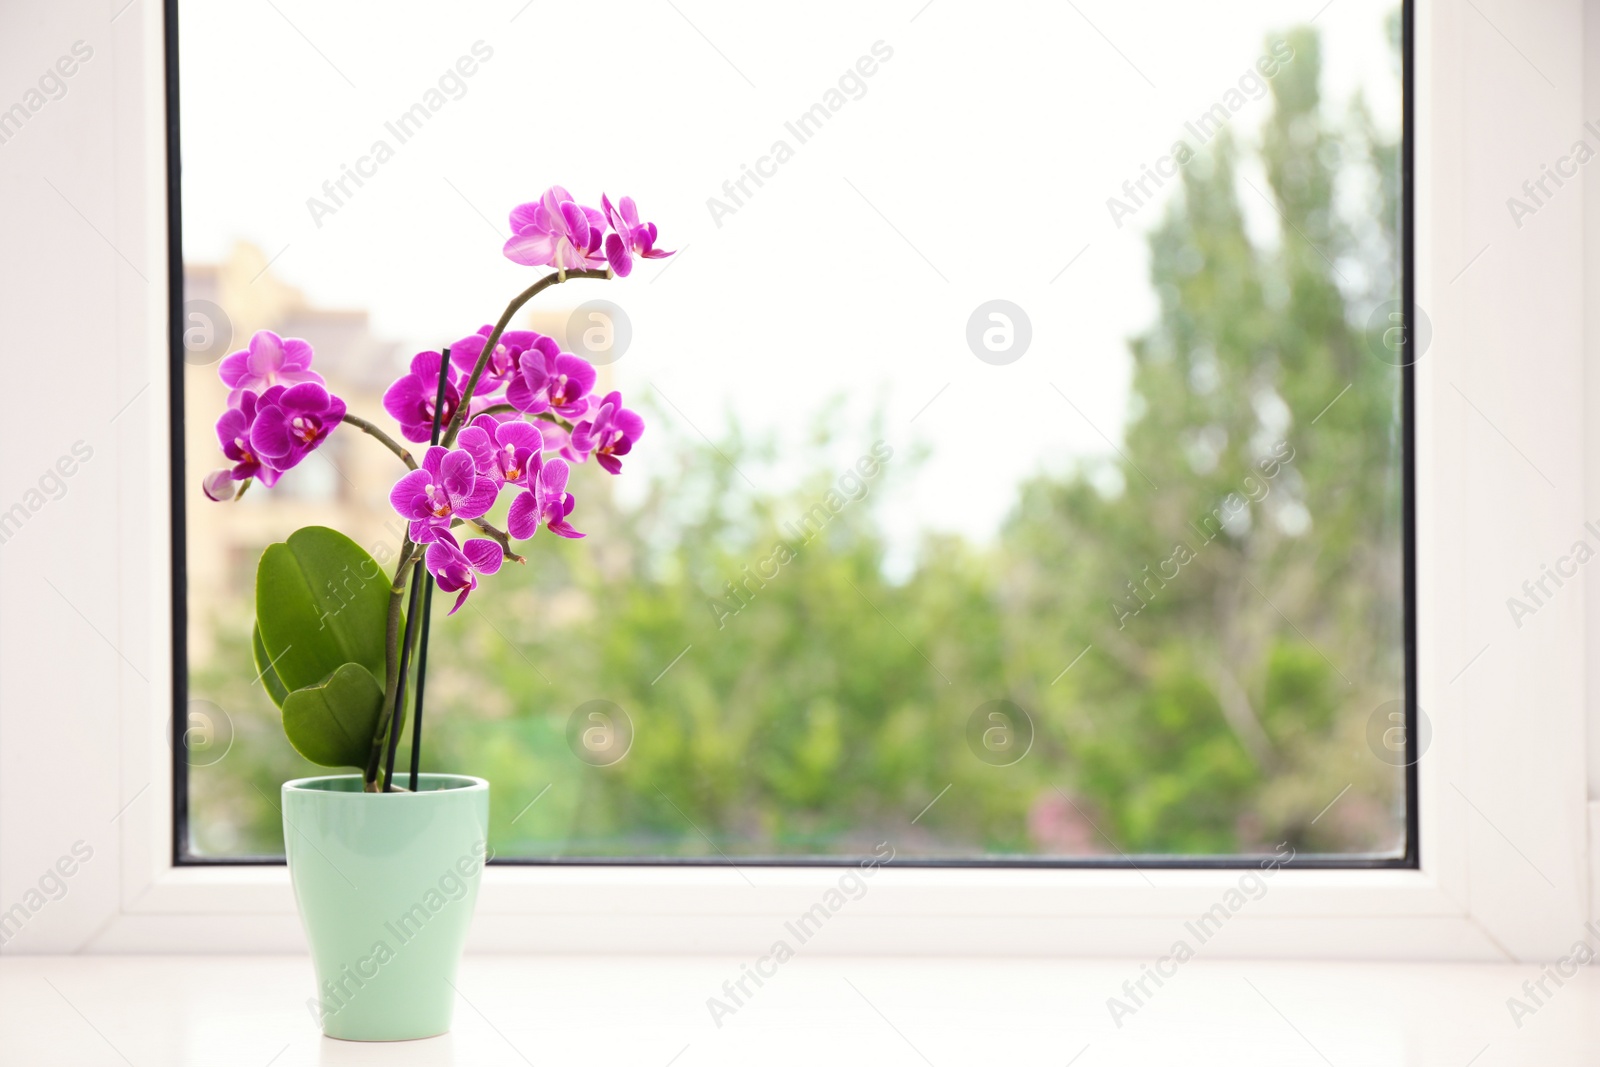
1242,593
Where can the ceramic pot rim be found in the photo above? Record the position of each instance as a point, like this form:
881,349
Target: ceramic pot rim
463,783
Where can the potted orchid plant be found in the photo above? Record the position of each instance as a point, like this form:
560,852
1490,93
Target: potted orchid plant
385,868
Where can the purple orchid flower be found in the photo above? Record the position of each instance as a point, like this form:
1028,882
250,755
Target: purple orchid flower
290,423
610,434
546,382
445,488
456,567
555,231
547,501
411,398
632,237
507,453
233,431
502,367
270,360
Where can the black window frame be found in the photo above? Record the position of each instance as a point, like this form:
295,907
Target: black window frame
1408,859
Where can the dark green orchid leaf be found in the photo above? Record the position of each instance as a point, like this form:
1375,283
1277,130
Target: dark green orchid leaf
321,602
332,723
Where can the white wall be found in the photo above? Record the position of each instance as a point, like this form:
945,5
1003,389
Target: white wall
80,268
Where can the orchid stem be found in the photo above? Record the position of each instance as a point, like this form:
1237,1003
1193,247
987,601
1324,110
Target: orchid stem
543,416
422,678
406,644
499,536
459,418
384,439
391,664
425,579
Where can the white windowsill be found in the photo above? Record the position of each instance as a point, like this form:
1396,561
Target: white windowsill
1294,914
652,1011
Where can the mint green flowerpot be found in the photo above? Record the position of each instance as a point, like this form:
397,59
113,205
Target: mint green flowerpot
386,884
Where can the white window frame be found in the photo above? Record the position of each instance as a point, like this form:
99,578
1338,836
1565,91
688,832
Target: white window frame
1506,848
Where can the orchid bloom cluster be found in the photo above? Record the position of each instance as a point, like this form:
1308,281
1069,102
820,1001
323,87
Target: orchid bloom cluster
279,411
557,232
531,409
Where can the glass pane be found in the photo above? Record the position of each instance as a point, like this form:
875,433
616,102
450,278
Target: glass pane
1023,466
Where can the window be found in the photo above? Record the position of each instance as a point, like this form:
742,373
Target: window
1027,468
